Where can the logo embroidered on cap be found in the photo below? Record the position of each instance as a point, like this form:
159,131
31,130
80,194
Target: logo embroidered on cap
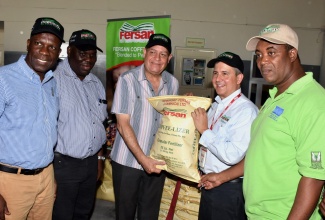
159,37
87,35
270,29
50,22
226,55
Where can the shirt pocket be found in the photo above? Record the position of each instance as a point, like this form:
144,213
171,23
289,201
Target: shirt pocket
100,109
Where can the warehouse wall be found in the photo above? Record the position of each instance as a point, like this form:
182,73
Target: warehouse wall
225,25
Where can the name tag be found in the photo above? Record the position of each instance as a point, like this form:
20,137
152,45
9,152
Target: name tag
202,156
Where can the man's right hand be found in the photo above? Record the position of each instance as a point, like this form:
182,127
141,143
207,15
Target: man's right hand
211,180
150,165
3,208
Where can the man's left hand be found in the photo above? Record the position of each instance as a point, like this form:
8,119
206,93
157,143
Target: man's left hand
200,119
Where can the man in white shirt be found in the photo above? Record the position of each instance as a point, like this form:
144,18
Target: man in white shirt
225,137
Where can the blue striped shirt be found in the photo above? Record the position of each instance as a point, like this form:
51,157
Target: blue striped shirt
81,132
28,116
130,97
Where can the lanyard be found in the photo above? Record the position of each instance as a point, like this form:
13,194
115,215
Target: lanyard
232,101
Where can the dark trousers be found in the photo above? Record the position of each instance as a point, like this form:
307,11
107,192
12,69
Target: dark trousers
225,202
76,187
136,191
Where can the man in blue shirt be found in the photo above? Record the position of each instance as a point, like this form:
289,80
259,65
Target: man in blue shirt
78,158
28,126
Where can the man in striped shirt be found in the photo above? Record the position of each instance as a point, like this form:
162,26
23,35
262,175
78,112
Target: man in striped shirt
28,126
83,108
138,184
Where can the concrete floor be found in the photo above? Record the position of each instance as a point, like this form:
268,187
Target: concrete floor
103,210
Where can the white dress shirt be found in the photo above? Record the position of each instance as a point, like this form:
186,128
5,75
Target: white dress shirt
228,140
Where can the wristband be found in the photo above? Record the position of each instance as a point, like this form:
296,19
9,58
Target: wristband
101,158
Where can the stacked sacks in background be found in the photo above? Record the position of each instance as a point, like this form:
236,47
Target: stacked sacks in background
105,189
187,206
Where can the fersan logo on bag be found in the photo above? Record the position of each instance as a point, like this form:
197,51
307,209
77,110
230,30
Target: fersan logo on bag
175,112
139,34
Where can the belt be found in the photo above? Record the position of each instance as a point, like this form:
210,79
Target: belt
8,169
238,180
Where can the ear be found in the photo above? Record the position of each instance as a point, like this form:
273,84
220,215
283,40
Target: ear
68,50
28,42
293,54
170,56
240,78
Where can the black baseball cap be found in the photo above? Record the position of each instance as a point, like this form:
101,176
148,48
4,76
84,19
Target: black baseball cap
160,39
48,25
228,58
84,40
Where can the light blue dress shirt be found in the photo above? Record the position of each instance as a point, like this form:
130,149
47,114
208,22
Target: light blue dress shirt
28,116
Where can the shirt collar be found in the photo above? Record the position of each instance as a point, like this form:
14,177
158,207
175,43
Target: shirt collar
295,87
228,99
66,69
30,73
142,75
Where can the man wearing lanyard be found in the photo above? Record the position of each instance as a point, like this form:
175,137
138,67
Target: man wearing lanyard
225,137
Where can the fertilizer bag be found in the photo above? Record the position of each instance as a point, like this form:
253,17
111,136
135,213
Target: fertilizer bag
176,141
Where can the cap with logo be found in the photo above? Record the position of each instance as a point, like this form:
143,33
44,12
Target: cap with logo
84,40
48,25
228,58
277,34
160,39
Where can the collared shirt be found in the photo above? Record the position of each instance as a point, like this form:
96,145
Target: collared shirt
28,116
228,141
81,132
287,142
130,97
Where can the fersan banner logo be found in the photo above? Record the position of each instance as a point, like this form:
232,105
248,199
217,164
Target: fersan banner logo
136,34
126,38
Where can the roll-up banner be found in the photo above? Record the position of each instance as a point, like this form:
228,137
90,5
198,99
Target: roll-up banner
126,38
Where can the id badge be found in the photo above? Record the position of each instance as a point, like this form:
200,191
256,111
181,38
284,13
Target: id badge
202,156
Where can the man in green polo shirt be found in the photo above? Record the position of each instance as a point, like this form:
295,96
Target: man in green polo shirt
284,171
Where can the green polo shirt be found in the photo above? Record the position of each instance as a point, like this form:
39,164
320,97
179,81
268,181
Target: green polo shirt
287,142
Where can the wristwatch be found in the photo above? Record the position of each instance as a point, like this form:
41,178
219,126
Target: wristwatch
101,158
